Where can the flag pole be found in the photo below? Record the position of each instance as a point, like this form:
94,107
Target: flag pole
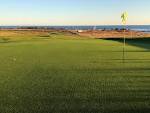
124,44
124,19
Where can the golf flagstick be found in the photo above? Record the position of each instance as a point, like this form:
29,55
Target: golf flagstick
124,17
124,45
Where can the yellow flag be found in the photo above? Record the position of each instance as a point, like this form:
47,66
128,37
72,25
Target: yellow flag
124,17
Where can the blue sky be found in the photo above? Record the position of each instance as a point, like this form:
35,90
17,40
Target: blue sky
73,12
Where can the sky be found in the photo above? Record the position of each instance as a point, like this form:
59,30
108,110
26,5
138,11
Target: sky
73,12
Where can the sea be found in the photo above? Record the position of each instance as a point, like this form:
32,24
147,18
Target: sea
143,28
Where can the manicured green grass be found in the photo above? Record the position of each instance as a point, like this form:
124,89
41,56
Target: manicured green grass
73,76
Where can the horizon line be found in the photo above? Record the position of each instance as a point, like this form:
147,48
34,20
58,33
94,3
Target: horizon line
83,25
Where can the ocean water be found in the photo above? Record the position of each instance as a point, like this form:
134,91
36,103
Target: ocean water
144,28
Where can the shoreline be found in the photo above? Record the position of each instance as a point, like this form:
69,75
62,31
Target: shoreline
83,33
114,34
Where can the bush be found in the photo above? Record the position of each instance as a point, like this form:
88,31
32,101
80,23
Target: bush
4,40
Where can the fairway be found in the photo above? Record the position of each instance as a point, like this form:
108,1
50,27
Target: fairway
74,76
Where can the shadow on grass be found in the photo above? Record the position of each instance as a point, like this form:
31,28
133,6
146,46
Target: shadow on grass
118,51
139,42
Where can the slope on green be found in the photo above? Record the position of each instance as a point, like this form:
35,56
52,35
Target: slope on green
73,76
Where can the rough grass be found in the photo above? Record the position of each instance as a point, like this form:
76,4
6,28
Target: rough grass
73,76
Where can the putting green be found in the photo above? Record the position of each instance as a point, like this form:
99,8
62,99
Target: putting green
73,76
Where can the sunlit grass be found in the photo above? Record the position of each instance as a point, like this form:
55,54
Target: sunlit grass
61,75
